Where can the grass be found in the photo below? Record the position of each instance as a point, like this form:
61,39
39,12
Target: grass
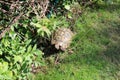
96,48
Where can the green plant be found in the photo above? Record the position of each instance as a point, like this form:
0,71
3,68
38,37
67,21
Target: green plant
17,56
46,26
43,27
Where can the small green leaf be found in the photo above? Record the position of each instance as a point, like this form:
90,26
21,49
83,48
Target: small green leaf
8,58
12,34
12,28
1,52
36,24
39,53
42,34
67,7
18,59
9,74
69,16
29,48
34,47
4,67
5,42
39,30
28,42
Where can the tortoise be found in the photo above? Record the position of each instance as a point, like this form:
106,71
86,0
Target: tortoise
62,38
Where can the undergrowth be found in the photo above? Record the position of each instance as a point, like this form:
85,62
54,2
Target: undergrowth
26,27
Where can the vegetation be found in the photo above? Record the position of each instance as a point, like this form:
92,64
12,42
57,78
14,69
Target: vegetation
26,28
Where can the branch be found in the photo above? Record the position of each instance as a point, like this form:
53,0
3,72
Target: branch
11,23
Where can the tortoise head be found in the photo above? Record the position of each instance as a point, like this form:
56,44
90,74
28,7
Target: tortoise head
61,46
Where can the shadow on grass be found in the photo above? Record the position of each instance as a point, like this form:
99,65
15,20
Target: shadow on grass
109,7
112,52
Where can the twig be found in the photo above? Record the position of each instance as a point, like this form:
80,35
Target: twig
8,27
45,8
5,2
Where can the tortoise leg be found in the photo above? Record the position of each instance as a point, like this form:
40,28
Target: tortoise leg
70,51
57,46
56,59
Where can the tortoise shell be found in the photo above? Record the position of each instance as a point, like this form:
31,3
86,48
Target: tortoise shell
61,38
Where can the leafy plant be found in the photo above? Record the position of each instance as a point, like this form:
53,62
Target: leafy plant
46,26
43,27
17,56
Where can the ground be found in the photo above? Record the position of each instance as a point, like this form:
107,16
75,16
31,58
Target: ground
96,48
